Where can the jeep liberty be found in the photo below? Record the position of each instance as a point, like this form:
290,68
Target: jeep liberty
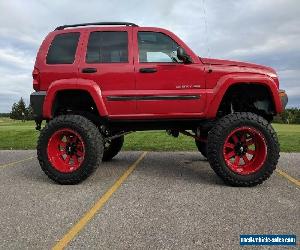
96,82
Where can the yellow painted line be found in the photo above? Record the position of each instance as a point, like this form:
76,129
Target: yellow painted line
15,162
290,178
70,235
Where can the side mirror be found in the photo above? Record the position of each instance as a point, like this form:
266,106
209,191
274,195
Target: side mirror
183,56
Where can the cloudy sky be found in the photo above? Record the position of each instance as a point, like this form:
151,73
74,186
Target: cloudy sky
260,31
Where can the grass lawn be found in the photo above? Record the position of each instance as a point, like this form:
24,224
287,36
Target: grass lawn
22,135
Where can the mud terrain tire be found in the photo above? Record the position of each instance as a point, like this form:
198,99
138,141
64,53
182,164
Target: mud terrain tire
113,148
230,140
69,149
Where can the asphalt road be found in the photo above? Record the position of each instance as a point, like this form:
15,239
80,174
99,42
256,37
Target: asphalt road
170,201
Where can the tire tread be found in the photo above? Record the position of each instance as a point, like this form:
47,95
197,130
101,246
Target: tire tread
215,139
94,146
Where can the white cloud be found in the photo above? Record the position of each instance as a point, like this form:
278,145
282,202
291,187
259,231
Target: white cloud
17,58
270,45
261,31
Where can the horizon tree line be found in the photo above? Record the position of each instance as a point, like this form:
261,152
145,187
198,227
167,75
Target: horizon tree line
19,111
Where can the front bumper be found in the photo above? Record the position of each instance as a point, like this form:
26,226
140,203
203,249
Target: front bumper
37,103
283,98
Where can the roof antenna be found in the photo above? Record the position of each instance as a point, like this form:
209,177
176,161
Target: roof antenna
205,28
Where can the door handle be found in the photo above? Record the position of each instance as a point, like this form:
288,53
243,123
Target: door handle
148,70
89,70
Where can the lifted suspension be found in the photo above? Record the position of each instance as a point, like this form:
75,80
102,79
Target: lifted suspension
196,136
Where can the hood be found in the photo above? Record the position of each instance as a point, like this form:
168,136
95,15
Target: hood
212,61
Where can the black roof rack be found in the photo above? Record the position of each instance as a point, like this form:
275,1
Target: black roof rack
97,23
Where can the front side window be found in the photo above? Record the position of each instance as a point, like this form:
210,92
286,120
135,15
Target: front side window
107,47
157,47
63,48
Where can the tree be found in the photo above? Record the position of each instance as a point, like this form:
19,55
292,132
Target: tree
29,112
14,112
19,110
290,115
22,109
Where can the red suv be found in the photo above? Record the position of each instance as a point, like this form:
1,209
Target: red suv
95,82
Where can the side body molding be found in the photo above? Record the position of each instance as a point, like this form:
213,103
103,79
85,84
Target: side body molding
215,95
73,84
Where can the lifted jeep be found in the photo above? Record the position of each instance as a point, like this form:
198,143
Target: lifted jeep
95,82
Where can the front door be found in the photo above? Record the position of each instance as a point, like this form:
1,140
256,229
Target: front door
165,86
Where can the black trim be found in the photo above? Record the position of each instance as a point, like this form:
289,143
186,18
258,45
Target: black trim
153,97
97,23
37,102
89,70
148,70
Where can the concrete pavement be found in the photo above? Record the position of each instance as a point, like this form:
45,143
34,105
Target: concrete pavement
172,200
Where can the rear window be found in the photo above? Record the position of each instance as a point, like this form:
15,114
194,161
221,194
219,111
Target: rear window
107,47
63,49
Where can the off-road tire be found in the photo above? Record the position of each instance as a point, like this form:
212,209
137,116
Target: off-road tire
216,140
202,147
93,148
113,148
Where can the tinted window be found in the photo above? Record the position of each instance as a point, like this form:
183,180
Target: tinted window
63,49
157,47
107,47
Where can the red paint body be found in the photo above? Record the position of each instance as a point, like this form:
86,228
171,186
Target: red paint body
207,78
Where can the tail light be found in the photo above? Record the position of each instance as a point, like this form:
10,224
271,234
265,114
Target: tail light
36,79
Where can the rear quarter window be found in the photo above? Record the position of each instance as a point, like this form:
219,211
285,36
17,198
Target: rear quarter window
63,48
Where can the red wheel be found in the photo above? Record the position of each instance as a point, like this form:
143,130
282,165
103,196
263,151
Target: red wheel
66,150
69,149
245,150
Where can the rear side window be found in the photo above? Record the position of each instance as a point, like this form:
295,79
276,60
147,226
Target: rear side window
107,47
63,49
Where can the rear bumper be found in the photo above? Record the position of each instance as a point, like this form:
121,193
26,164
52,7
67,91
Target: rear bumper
283,98
37,103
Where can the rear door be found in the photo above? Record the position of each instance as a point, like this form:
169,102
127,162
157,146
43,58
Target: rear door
108,60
